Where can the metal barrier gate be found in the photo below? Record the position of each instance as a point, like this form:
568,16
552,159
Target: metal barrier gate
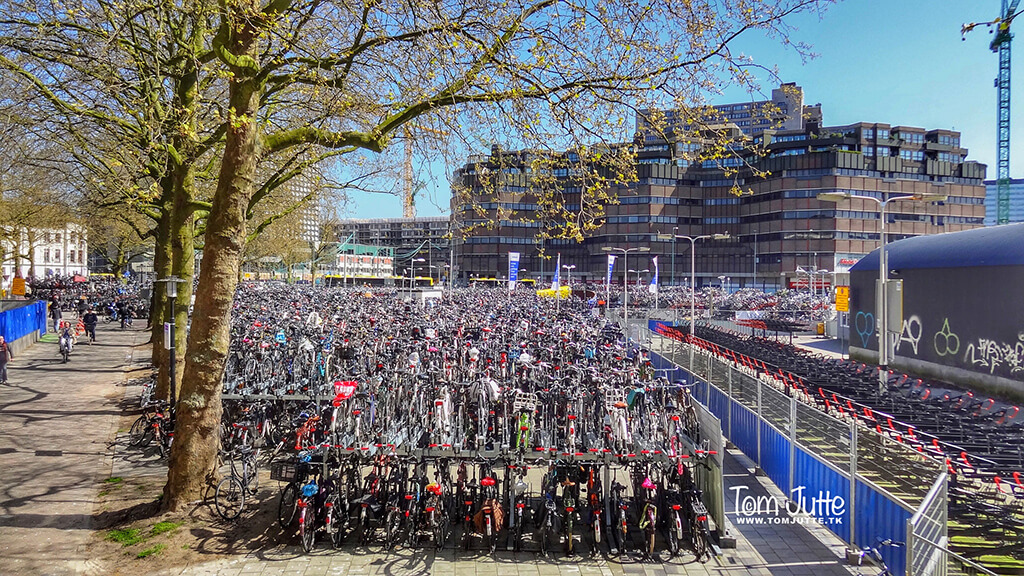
805,451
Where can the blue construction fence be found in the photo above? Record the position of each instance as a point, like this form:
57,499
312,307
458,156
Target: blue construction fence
810,456
16,323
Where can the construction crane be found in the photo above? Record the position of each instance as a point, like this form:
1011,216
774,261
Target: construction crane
1001,44
410,188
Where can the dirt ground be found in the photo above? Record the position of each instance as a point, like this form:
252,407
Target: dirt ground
132,538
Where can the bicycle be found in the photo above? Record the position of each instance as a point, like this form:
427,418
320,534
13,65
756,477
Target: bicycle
243,481
875,556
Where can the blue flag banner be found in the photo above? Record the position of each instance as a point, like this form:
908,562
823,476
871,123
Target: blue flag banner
513,269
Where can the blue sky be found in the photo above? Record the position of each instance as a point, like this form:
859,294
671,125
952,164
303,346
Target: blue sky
895,61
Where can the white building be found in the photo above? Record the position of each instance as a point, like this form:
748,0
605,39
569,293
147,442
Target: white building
49,251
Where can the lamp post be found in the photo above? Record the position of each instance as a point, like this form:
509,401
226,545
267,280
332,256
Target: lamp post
693,279
672,274
171,292
638,273
755,259
414,261
882,307
625,278
568,277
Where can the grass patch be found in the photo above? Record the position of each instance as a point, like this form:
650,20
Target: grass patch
151,551
125,537
114,480
164,527
103,493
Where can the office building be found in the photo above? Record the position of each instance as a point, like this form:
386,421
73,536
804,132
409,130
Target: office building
778,229
407,238
1016,202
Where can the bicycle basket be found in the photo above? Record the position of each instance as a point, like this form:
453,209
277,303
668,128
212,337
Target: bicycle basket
283,471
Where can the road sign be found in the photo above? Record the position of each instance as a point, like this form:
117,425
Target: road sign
842,298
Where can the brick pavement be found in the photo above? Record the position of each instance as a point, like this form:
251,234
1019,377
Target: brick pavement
56,424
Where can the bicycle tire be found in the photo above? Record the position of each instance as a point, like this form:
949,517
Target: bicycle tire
287,506
229,499
393,526
441,530
336,526
307,528
141,433
568,536
491,533
700,544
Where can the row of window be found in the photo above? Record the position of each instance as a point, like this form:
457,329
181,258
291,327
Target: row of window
731,161
721,201
667,200
912,155
723,182
910,137
74,256
642,220
789,138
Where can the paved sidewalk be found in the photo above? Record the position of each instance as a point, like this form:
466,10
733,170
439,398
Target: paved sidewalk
56,425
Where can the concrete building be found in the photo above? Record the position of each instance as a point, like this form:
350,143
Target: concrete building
1016,202
423,237
45,252
779,230
785,110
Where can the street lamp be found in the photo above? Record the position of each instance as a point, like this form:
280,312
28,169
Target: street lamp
414,261
638,273
171,292
625,279
693,280
568,278
883,272
755,259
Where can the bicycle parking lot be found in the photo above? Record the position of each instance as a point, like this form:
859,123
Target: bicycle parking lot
143,461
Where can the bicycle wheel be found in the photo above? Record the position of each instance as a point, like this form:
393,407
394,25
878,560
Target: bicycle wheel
700,545
141,433
393,528
287,506
491,532
307,528
229,499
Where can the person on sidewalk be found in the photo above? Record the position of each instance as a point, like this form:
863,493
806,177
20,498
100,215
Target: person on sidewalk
6,354
90,320
56,315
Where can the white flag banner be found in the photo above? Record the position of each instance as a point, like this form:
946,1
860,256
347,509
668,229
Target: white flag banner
654,279
555,283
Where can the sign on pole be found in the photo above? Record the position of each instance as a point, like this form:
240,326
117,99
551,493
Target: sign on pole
18,287
167,335
842,298
513,270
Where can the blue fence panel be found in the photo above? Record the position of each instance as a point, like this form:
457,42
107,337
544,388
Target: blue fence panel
821,483
718,403
880,518
22,321
744,429
775,456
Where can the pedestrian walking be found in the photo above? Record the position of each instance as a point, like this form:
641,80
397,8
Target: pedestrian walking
56,315
6,355
90,320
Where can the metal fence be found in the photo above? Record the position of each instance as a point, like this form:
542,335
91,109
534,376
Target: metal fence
889,491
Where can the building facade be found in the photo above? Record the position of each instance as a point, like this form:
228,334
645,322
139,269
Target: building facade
44,252
1016,202
780,233
422,242
785,110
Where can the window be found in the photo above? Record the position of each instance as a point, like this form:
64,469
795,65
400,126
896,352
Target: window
868,150
58,238
882,151
46,255
71,256
912,155
883,133
869,133
56,255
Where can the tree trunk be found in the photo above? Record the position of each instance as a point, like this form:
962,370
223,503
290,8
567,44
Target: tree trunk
161,269
196,441
182,266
